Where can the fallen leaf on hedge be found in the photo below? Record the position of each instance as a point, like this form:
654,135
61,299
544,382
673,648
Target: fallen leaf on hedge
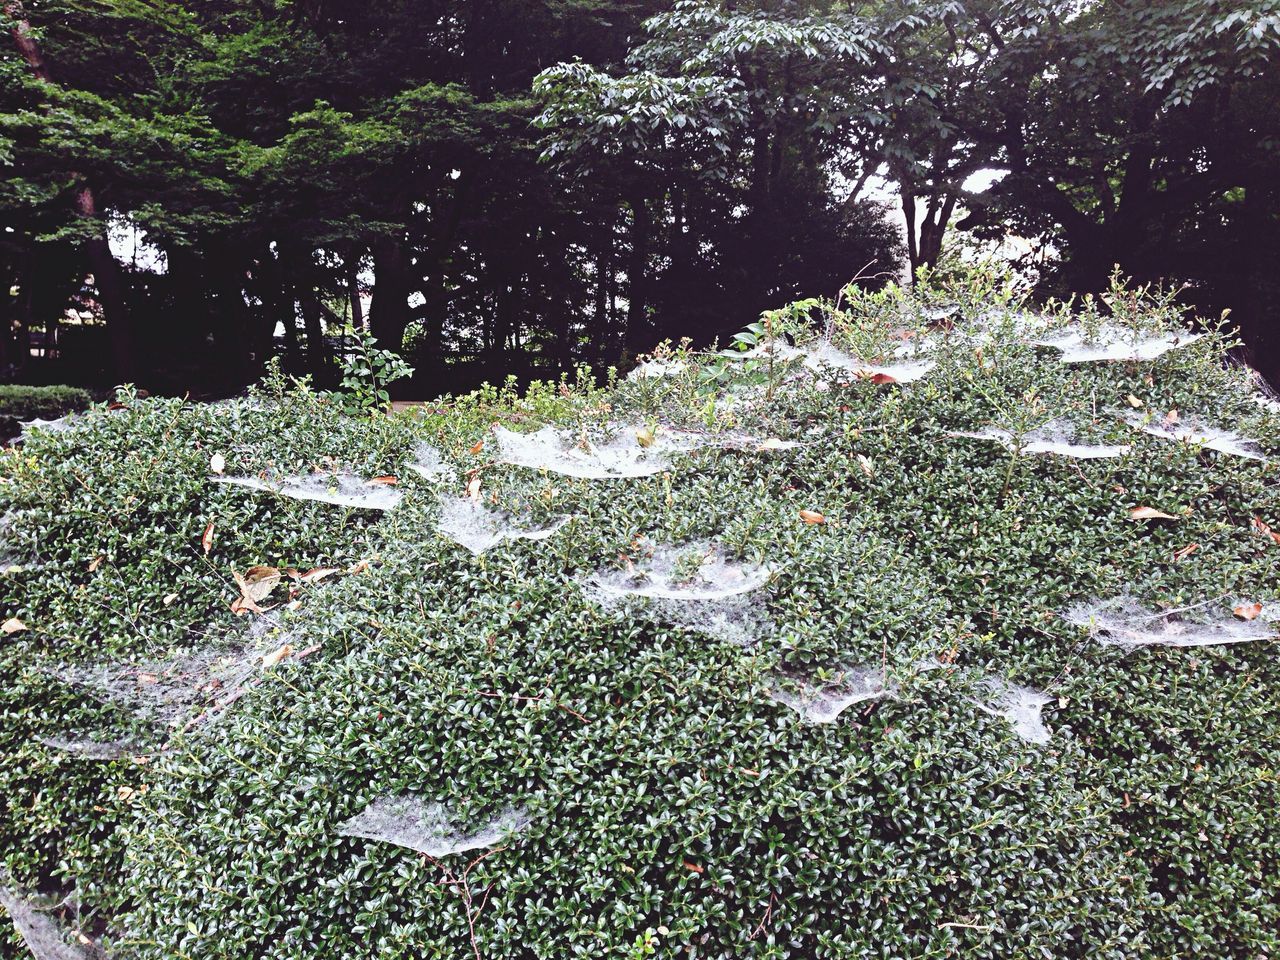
360,566
478,447
473,488
316,574
258,582
1170,418
12,625
206,539
1265,530
689,865
1248,611
882,378
1150,513
169,598
218,463
275,656
1186,551
385,481
1134,401
812,516
95,563
255,586
243,604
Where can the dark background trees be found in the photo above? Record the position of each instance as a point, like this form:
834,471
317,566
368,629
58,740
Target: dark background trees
514,186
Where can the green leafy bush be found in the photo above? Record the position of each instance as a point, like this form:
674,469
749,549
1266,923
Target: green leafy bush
675,806
21,402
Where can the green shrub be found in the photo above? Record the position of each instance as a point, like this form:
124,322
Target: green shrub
21,402
675,807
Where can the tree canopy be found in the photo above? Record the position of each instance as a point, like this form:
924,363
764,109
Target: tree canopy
510,186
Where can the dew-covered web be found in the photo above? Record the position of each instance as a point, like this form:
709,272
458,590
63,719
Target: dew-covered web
429,827
10,557
44,936
1021,706
88,749
657,369
692,571
1124,622
61,425
692,585
823,700
185,687
1056,438
341,489
905,367
474,526
429,463
1114,343
631,450
1197,432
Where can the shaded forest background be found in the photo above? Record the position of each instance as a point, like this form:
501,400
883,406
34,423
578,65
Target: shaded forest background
516,186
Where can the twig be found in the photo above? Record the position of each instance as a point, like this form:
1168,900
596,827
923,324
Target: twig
768,913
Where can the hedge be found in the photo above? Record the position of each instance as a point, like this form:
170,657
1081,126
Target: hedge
674,805
21,402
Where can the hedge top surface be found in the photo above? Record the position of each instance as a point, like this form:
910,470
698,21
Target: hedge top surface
914,735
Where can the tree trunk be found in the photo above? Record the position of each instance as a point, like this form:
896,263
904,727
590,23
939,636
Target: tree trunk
353,291
106,272
389,310
311,321
637,276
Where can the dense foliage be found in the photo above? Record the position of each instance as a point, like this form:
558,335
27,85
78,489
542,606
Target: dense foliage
532,185
675,807
47,403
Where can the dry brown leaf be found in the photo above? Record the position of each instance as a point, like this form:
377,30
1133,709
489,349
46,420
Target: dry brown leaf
1248,611
255,586
11,626
812,516
360,566
690,865
95,563
1134,402
1185,552
218,463
882,378
1150,513
243,604
206,539
385,481
1170,418
478,447
258,582
271,659
169,598
1265,530
316,574
473,488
